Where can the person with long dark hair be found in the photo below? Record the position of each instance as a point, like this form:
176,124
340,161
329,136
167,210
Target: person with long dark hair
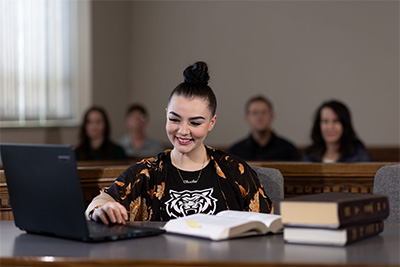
191,178
333,136
94,136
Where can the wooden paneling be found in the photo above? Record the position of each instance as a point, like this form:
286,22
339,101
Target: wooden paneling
299,179
311,178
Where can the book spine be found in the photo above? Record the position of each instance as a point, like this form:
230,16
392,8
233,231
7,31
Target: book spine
358,232
363,211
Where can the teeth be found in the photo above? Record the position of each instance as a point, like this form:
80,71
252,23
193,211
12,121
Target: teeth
183,140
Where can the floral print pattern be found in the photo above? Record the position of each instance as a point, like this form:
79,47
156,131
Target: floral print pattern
160,190
255,203
241,168
141,187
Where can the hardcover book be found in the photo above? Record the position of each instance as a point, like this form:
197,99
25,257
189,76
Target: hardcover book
334,209
225,225
335,237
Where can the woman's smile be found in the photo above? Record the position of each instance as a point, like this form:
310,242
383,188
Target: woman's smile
184,141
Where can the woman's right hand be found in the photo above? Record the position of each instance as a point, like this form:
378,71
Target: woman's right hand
110,212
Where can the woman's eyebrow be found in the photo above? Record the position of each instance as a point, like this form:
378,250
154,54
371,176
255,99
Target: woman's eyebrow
197,118
192,118
173,113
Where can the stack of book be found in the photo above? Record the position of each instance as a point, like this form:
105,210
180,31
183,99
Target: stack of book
333,218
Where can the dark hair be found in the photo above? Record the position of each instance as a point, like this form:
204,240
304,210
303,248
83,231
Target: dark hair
135,107
347,140
196,85
259,98
84,140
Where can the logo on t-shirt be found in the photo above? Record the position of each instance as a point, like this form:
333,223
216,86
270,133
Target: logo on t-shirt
187,202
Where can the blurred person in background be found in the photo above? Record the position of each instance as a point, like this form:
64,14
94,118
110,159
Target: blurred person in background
94,138
263,144
135,142
333,136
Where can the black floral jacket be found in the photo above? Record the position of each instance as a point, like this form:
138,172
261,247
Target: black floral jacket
141,187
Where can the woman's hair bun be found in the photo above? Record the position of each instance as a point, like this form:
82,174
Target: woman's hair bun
197,73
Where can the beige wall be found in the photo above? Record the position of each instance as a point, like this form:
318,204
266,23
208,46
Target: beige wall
297,53
111,59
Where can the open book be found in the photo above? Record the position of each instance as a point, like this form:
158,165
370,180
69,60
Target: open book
226,224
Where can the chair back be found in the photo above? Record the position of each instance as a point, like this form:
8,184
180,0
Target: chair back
272,181
387,182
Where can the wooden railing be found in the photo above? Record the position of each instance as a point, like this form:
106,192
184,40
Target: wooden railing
299,179
312,178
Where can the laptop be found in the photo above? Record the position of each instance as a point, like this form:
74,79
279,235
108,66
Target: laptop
46,197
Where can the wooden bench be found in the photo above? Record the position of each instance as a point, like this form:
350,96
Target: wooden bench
299,178
384,154
311,178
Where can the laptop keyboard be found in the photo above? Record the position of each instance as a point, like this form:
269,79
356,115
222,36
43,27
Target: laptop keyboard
97,229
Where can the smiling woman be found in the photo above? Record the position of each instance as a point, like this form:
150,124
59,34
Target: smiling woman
191,178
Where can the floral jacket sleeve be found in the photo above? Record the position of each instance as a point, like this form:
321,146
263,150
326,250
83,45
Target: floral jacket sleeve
141,187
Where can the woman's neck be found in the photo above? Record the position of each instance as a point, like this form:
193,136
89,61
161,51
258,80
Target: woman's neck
137,139
332,151
95,143
193,161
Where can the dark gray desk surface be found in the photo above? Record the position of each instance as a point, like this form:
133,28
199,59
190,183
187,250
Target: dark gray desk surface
19,248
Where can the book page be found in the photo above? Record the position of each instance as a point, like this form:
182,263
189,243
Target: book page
267,219
202,225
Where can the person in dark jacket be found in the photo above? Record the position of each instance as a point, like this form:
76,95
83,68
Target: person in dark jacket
263,144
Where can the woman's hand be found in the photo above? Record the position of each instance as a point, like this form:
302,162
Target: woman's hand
110,212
